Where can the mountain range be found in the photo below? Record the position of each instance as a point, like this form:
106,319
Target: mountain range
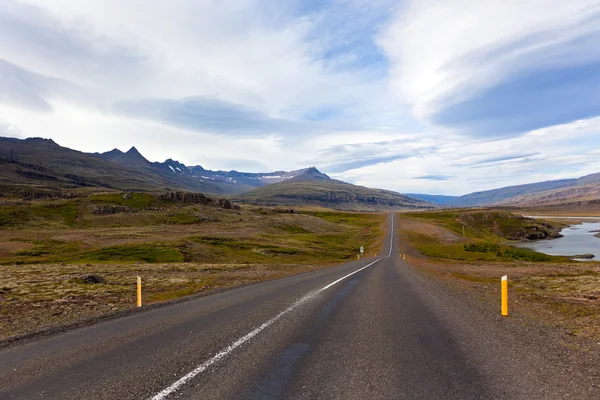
561,191
42,163
219,182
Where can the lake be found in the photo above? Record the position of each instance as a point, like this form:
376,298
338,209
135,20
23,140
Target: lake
578,239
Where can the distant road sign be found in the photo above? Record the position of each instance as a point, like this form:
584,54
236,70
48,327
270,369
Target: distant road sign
362,250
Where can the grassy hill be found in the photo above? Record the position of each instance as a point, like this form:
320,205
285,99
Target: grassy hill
484,235
329,193
491,223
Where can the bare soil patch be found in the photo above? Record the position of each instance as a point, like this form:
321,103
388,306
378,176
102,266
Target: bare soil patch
443,235
10,248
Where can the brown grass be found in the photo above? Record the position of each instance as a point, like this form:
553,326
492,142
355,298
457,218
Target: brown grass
231,248
564,295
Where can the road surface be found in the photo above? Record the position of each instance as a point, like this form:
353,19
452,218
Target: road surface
368,329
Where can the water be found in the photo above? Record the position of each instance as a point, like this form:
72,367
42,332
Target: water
578,239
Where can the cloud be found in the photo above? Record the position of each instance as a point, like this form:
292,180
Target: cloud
562,151
420,95
434,177
207,114
344,157
495,68
32,91
541,98
290,62
9,130
38,39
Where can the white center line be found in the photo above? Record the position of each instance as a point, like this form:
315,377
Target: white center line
163,394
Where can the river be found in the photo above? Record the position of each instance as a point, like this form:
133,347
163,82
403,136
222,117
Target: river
577,239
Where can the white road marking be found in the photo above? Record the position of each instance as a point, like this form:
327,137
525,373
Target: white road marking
163,394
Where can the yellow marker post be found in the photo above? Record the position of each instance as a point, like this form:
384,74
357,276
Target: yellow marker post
139,291
404,257
504,284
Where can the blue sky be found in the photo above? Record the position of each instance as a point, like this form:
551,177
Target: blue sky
423,96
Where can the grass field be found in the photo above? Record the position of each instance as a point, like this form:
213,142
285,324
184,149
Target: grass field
46,247
479,235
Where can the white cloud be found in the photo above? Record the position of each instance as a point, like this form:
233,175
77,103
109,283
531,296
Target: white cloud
235,50
310,100
90,131
443,51
562,151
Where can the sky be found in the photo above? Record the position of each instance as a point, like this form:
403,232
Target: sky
416,96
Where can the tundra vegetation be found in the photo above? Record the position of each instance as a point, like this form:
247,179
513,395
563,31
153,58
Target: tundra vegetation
546,289
63,260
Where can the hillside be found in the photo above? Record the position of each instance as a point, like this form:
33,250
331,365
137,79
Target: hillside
540,193
489,224
439,199
196,177
317,189
564,196
42,163
498,195
32,164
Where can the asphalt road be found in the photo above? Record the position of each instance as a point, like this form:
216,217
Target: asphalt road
369,329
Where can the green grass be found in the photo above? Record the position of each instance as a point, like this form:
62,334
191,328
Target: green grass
477,251
56,251
67,211
182,218
249,250
291,228
175,293
138,200
14,216
51,249
484,224
482,247
286,239
152,253
328,193
57,211
294,243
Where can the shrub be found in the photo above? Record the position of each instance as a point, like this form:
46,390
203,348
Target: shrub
482,247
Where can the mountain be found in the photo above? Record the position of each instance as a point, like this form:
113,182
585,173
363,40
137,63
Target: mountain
315,188
36,161
132,158
240,182
438,199
500,195
169,171
540,193
569,195
309,175
224,182
41,163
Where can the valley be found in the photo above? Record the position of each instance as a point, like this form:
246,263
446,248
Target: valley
50,248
